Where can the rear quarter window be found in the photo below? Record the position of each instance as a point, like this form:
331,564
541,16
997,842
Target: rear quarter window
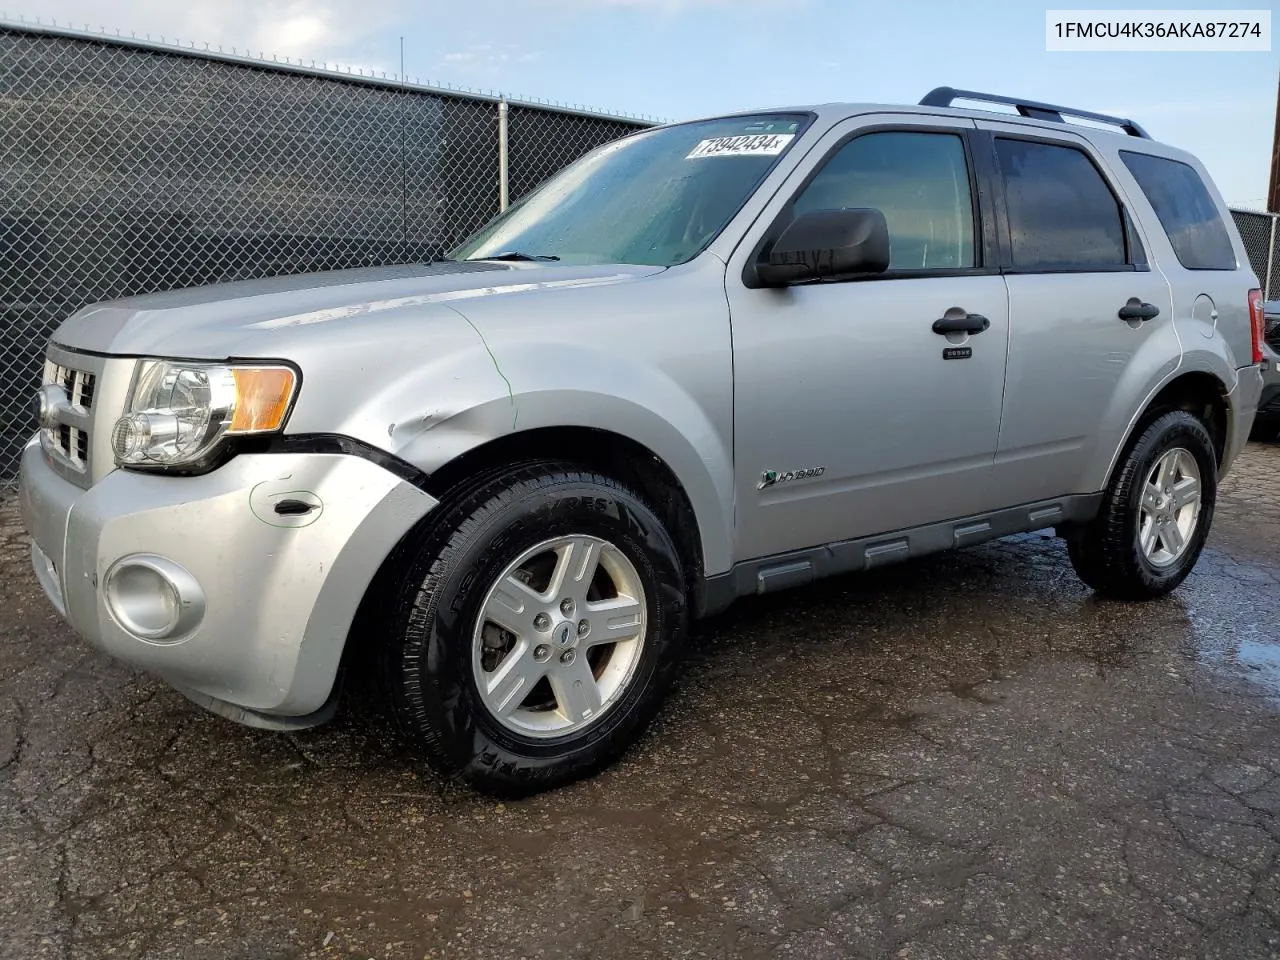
1186,211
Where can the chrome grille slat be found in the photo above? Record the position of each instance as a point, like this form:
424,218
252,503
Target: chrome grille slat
79,384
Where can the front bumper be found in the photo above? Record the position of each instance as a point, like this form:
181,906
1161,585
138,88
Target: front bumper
270,597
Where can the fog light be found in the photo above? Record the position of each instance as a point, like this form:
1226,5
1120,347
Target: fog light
153,598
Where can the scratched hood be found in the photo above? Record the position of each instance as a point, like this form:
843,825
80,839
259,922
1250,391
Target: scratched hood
264,317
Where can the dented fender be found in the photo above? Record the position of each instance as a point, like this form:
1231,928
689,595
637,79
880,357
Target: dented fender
479,385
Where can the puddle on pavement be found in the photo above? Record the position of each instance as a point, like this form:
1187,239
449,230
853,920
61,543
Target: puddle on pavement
1261,660
1248,652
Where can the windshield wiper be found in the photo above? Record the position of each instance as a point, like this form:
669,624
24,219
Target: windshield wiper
517,255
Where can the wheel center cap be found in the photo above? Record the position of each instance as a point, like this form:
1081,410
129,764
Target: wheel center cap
566,634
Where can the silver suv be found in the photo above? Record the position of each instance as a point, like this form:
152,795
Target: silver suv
711,359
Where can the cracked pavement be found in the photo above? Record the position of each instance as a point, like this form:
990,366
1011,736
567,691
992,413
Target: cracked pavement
965,756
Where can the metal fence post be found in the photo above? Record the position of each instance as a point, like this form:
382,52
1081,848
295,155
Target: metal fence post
502,160
1271,258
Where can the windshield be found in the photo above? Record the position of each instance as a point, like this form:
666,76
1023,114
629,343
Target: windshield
655,198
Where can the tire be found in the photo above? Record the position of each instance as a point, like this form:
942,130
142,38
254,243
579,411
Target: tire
1108,553
437,649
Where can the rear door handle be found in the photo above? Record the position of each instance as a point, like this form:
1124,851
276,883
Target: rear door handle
957,320
1136,309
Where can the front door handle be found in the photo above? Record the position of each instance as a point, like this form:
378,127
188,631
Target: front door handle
957,320
1136,309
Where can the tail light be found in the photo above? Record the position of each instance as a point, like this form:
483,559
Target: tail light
1257,323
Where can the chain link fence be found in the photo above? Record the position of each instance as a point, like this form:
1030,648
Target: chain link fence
129,168
1261,235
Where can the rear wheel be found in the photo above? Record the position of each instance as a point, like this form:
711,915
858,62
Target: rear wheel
1155,514
536,628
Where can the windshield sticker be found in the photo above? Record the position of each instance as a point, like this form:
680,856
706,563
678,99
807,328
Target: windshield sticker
756,145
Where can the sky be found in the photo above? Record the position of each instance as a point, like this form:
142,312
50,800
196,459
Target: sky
678,59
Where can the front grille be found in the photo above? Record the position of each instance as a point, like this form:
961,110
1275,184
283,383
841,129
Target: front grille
73,443
79,384
68,437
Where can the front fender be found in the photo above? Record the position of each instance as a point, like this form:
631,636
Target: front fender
450,405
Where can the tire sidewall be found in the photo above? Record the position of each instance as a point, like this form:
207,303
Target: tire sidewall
439,652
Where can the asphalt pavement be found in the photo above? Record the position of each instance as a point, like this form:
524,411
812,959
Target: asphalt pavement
965,756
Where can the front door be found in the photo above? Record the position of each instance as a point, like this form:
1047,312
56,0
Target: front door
852,416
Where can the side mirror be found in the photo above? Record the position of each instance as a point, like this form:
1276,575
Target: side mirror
827,244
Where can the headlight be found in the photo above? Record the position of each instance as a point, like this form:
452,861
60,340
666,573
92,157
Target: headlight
179,412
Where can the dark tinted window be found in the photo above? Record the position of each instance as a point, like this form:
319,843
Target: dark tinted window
1186,211
919,181
1062,214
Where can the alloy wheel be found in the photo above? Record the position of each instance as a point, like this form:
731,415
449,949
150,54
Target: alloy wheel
559,635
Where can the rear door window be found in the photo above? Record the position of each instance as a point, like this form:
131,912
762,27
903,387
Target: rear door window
1185,209
1062,214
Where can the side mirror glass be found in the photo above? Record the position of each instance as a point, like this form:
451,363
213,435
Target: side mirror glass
827,244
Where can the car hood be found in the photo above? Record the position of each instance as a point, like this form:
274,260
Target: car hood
260,317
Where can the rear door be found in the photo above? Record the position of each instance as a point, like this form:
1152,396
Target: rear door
1091,321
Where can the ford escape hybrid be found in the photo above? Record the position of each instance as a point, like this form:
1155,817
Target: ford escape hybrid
710,359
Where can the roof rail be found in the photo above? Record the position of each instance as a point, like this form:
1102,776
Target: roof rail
943,96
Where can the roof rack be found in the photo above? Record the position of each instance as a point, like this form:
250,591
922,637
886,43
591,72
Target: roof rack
943,96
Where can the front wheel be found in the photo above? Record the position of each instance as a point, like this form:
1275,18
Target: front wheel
1155,514
536,628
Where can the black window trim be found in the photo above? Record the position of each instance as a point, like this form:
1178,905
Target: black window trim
985,238
1134,251
1142,190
